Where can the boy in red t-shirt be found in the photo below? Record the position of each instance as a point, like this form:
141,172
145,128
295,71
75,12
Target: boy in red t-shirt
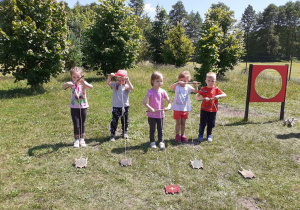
209,96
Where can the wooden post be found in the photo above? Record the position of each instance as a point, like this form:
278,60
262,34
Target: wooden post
283,103
248,93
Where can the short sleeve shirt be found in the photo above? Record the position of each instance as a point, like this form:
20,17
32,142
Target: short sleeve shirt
156,101
78,97
182,98
212,105
120,95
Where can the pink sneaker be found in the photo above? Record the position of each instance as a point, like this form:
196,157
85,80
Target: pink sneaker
184,139
178,138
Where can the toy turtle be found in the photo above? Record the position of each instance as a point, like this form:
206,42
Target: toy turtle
126,162
247,174
81,162
197,164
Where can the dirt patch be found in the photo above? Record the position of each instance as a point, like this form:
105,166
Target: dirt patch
296,158
249,203
230,111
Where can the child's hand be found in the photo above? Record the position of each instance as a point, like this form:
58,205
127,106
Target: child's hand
126,79
216,97
81,81
181,82
167,109
111,75
151,109
195,83
206,99
69,84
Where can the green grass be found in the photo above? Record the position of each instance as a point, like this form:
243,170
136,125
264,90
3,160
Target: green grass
37,159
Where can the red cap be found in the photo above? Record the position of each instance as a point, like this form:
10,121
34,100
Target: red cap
121,73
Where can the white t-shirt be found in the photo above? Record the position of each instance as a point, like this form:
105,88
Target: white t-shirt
182,100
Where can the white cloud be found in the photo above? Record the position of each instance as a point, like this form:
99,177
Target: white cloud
149,10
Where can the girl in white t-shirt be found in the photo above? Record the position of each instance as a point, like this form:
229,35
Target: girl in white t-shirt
182,103
79,104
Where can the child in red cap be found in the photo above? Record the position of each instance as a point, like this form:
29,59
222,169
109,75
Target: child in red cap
120,102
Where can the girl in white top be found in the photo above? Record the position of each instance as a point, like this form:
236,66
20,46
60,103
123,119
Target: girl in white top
182,103
78,104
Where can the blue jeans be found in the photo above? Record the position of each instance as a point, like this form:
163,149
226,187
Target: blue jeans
209,119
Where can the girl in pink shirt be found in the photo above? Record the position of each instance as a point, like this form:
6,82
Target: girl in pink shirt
154,101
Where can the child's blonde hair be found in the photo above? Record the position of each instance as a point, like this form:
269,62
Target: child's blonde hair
185,74
211,74
156,75
76,69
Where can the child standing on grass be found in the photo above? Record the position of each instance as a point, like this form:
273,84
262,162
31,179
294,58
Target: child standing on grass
120,102
156,96
79,104
182,103
209,96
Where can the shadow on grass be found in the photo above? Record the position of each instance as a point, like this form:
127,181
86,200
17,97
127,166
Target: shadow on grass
288,136
21,92
45,149
242,122
146,146
98,141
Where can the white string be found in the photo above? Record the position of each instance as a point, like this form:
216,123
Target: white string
123,114
168,167
80,132
233,149
189,102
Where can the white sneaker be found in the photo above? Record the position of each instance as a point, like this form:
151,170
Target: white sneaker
152,145
112,137
76,144
162,145
209,138
82,143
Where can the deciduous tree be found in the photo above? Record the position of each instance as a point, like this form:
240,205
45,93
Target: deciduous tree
33,39
113,41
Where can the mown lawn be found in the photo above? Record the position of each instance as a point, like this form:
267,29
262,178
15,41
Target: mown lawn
37,158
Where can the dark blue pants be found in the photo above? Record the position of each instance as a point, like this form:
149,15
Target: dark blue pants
209,119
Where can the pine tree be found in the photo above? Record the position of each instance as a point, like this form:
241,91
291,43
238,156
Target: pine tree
178,14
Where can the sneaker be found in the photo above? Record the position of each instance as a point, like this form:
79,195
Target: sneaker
112,137
76,143
82,143
209,138
184,139
152,145
178,138
162,145
200,137
125,135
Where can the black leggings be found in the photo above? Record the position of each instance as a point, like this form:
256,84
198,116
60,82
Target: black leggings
79,117
159,123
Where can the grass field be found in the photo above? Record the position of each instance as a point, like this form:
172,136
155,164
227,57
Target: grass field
37,158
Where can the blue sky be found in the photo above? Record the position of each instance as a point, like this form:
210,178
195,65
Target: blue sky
238,6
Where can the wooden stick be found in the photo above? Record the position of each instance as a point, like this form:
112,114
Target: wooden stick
158,110
76,81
